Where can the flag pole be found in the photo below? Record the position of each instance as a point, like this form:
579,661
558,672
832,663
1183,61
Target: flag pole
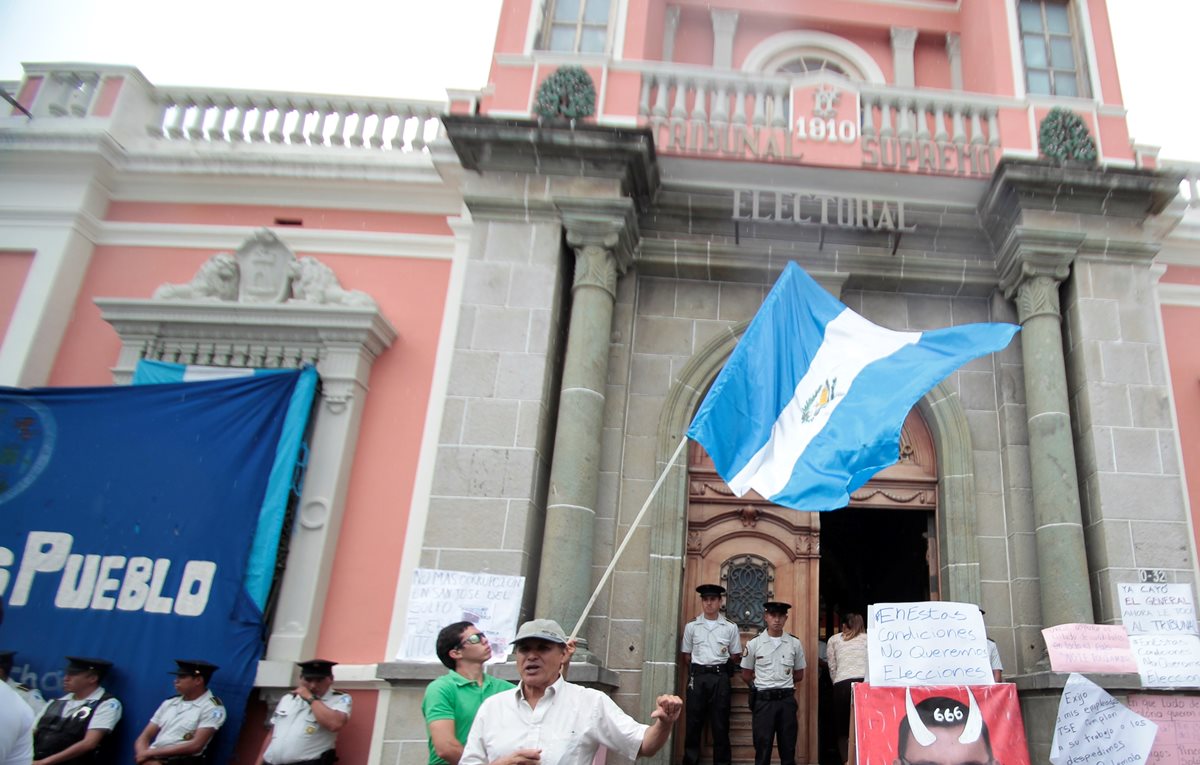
628,535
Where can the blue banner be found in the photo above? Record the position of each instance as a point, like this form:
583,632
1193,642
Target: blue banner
126,520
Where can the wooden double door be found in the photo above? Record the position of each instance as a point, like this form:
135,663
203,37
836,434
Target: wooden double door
883,549
758,551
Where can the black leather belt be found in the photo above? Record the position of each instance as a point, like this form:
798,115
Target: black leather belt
775,694
709,669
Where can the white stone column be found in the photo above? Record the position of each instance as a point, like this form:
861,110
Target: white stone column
670,27
724,24
954,54
904,41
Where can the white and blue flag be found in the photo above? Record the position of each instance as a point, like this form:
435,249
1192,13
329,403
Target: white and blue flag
811,402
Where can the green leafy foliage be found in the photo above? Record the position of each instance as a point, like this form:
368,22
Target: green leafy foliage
568,93
1064,136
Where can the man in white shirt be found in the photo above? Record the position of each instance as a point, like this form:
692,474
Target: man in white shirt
549,721
73,727
773,664
184,725
710,650
16,724
306,721
32,696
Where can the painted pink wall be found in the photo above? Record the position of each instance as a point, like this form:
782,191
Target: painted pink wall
1106,59
931,63
986,50
265,215
29,91
1181,275
14,268
367,563
1183,355
107,97
644,30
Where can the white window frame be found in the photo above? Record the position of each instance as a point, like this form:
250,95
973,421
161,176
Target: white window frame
545,24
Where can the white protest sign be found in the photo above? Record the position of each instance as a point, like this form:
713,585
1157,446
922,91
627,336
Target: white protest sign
492,602
1166,660
1157,608
931,643
1093,728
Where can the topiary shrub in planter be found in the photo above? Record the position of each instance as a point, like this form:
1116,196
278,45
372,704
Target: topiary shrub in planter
1064,136
566,94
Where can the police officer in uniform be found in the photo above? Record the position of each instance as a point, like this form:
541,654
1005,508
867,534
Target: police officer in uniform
773,664
711,647
31,696
306,721
73,728
184,725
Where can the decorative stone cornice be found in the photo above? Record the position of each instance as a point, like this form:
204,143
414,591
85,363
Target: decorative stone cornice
341,340
610,224
1021,185
580,150
1027,254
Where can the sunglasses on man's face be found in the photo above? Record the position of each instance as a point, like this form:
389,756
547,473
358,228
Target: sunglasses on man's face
472,639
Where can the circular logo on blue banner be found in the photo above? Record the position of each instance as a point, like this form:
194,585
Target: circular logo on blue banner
27,436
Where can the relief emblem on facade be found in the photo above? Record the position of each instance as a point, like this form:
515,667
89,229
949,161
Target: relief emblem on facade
265,270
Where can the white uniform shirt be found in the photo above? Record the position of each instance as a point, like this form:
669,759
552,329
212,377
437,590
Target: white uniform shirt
773,664
32,696
16,726
296,735
711,641
178,719
569,724
994,655
104,717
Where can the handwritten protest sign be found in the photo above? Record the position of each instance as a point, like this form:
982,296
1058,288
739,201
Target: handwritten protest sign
1089,648
1178,720
1094,729
492,602
931,643
1157,608
1167,661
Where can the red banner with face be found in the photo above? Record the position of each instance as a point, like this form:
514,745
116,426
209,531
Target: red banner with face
939,725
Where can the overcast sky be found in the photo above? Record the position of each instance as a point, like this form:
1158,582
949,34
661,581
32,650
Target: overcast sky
411,49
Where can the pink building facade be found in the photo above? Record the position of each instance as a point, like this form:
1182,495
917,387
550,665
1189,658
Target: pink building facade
549,300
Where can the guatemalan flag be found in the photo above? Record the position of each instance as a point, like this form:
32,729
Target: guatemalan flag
811,402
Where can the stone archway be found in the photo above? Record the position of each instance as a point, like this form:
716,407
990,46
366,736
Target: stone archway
959,555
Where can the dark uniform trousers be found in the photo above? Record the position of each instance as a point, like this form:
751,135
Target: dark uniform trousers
708,699
775,719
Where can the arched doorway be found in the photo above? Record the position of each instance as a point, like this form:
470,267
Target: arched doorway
882,547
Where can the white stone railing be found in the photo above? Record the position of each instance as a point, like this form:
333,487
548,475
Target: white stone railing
1189,190
120,100
733,98
297,119
928,116
748,100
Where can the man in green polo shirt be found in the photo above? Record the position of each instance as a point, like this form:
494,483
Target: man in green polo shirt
452,700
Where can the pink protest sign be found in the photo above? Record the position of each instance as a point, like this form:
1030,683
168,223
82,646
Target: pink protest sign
1178,719
1089,648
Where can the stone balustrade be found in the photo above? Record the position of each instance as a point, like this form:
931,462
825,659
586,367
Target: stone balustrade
682,102
1189,190
928,116
235,116
705,95
120,99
